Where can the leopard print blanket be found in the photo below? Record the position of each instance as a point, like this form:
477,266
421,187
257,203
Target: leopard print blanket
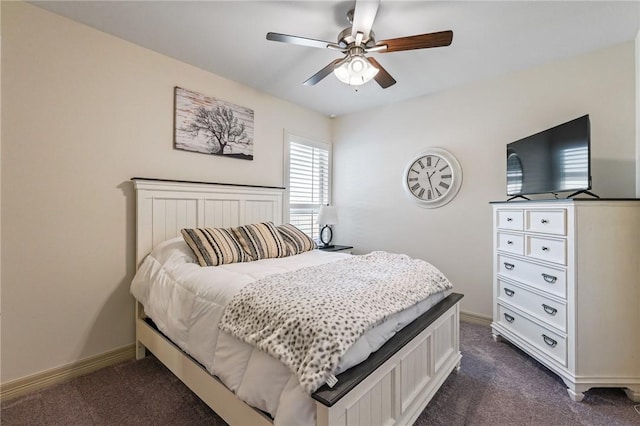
309,318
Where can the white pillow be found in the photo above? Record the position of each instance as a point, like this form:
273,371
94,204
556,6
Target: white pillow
174,250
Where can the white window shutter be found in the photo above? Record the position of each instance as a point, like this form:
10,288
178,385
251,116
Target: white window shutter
308,182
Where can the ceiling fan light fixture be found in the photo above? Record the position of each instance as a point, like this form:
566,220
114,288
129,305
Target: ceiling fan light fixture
355,71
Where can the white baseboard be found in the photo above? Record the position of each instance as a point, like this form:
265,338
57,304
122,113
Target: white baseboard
24,385
475,318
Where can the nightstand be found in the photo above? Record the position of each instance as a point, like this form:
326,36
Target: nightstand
341,249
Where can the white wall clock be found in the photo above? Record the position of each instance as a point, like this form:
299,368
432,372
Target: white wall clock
433,178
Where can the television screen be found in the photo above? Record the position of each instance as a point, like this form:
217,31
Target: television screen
555,160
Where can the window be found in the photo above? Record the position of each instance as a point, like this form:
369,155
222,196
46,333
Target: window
307,178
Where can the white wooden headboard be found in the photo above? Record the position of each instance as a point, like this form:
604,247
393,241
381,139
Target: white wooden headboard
164,207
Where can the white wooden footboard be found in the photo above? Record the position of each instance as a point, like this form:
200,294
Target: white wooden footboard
396,392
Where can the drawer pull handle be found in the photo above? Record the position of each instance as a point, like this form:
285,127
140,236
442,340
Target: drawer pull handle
509,242
548,309
544,221
509,266
509,292
509,219
549,278
509,318
549,341
545,248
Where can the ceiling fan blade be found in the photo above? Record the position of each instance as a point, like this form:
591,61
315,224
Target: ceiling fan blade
421,41
383,78
314,79
302,41
363,17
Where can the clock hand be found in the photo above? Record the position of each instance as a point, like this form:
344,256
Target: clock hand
429,178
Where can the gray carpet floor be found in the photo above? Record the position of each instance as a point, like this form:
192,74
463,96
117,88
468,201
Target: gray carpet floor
497,385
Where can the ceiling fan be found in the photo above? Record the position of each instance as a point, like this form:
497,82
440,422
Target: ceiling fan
355,68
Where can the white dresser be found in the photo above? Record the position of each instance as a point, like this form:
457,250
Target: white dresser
566,288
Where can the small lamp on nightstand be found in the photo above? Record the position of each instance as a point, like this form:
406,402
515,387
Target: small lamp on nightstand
327,217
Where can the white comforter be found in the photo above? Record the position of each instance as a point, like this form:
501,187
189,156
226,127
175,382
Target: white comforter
187,301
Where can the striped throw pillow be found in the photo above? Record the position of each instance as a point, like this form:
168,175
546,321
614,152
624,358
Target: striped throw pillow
296,240
261,241
214,246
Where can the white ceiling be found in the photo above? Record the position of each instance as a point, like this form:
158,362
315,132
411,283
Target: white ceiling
490,38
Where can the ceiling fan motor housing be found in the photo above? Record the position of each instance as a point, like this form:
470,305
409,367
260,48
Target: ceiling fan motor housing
345,38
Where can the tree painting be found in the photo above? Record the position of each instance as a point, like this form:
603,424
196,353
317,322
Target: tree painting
210,126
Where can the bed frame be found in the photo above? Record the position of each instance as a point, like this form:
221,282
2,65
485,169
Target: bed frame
392,387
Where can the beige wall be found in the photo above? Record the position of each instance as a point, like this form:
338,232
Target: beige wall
0,187
638,115
82,113
475,123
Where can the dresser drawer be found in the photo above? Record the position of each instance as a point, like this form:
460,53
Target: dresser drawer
513,243
510,219
551,312
551,250
545,278
549,342
546,221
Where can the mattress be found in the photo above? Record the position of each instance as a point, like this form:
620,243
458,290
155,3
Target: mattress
186,302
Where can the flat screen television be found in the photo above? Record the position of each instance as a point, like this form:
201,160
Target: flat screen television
555,160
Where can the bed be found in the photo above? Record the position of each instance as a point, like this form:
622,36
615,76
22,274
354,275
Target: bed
392,386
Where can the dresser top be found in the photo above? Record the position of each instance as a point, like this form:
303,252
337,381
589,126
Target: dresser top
564,200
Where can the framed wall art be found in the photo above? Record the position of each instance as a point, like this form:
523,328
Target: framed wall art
210,126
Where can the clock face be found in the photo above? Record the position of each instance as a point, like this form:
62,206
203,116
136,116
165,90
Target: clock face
433,178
